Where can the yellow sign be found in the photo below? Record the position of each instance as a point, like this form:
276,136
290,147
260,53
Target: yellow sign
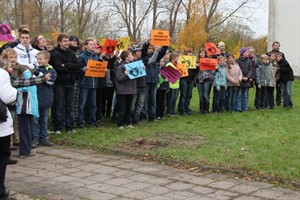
96,69
160,38
123,43
188,61
102,41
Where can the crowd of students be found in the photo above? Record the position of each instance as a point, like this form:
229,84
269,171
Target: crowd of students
49,77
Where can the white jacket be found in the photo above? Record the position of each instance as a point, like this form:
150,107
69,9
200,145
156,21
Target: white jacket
8,94
27,57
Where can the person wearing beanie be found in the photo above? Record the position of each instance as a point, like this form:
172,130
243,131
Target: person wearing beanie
221,47
245,65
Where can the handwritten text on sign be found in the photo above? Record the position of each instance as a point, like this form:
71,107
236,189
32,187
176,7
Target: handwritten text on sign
171,73
188,61
96,69
110,46
208,64
183,70
123,43
160,38
135,69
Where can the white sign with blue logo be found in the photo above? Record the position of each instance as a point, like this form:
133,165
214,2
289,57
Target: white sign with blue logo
135,69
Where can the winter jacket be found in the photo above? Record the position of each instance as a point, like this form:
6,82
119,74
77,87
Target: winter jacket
272,70
246,68
220,78
45,91
262,74
86,81
10,95
233,74
27,98
205,75
286,72
124,85
66,65
27,56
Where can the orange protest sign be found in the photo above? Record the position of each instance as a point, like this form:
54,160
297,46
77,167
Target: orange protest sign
96,69
160,38
211,49
182,69
110,46
208,64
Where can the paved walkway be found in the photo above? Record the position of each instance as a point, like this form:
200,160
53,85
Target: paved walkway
64,173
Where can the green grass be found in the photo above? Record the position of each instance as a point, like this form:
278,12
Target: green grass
264,142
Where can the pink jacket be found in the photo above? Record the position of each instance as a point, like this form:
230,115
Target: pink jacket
234,74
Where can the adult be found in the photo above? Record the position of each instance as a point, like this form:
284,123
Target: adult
39,42
26,53
276,49
222,48
66,65
6,129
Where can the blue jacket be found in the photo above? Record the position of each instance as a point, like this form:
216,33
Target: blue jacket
84,81
45,91
220,78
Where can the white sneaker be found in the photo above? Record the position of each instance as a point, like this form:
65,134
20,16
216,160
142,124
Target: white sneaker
57,132
130,126
121,128
72,131
50,132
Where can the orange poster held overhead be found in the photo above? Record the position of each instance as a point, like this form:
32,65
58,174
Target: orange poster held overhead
208,64
160,38
110,46
211,49
96,69
182,69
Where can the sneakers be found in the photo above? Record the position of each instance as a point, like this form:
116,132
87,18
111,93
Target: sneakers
121,127
32,153
46,143
71,131
129,126
34,143
50,132
58,132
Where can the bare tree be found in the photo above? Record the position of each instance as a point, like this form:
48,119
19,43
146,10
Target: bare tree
40,5
64,6
173,11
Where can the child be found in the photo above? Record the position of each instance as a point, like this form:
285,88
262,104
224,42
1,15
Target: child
262,80
220,84
27,108
234,78
161,93
273,71
125,89
45,93
286,78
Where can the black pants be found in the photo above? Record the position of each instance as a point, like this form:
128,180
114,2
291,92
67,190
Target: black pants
99,101
4,157
161,96
278,94
124,109
25,134
270,97
107,101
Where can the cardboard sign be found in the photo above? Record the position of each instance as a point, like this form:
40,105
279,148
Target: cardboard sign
96,69
208,64
160,38
170,73
135,69
102,41
211,49
3,43
110,46
182,69
5,33
123,43
188,61
55,35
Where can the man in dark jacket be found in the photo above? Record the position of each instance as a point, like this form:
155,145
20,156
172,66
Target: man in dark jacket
66,65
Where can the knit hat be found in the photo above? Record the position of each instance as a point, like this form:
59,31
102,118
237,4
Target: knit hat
221,44
243,50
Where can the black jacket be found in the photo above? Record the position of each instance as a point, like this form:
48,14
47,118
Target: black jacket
246,67
286,72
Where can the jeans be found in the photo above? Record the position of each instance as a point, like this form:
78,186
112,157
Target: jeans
286,88
242,99
4,157
219,96
84,94
233,92
150,101
137,104
64,101
124,109
270,97
107,101
26,122
204,91
172,97
186,89
41,124
278,93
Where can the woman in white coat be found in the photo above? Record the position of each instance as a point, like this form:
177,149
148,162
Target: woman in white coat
8,94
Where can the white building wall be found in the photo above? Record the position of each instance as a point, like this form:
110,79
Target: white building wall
284,26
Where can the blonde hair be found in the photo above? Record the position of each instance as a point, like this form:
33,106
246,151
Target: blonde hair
264,56
44,53
9,51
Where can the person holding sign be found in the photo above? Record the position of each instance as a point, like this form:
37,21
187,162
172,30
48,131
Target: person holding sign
88,86
204,80
125,89
220,85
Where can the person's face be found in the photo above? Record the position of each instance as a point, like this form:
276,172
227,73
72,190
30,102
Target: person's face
231,60
272,57
202,54
222,61
49,46
150,49
265,60
251,53
276,46
246,54
64,43
41,41
90,46
222,48
42,61
138,54
97,50
74,43
162,62
130,57
12,59
278,57
25,39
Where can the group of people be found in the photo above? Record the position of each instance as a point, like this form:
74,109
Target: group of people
38,77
